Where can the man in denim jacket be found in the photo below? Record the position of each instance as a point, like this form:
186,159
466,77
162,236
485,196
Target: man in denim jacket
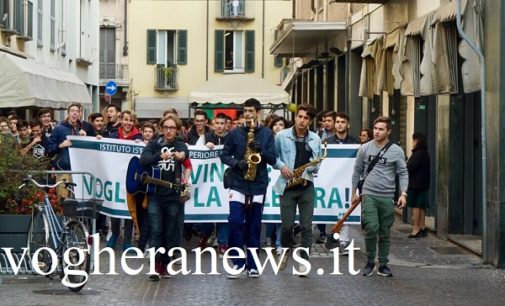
296,147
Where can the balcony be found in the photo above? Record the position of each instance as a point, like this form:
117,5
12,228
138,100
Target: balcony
235,10
114,72
166,78
360,1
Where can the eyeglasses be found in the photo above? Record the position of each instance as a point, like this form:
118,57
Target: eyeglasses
171,128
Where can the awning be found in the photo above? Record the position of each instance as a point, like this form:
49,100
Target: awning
237,88
24,83
295,38
152,107
416,26
448,11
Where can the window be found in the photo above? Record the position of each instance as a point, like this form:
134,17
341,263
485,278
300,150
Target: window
4,13
167,47
19,17
39,23
234,51
29,25
107,53
53,25
165,52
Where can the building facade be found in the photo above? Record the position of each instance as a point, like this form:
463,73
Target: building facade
114,51
53,44
408,60
179,45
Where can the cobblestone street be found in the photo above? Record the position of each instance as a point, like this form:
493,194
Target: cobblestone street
426,272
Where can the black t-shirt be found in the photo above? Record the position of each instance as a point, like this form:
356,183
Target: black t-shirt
303,151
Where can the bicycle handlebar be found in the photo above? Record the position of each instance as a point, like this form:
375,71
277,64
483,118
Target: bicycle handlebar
28,180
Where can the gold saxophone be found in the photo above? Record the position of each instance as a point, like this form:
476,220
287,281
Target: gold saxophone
297,173
251,156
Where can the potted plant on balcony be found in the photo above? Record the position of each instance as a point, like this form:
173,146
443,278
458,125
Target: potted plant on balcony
168,71
16,205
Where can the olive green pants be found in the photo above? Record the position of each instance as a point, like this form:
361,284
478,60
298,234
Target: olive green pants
377,217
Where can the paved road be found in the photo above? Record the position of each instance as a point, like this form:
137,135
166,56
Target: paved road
427,271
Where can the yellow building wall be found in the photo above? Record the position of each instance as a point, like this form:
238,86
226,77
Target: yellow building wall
192,16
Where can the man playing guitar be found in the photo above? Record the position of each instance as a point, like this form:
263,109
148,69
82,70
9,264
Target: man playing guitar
167,153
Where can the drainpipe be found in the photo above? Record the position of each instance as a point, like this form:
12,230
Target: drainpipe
125,45
483,129
207,46
263,43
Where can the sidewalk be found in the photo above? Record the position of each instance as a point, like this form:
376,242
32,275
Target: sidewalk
429,252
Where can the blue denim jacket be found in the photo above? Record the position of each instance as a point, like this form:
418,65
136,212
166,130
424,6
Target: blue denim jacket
285,150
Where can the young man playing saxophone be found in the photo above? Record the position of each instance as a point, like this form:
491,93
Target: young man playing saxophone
296,147
248,184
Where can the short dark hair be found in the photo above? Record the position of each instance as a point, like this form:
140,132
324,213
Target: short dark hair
35,123
253,103
343,115
221,116
93,116
118,109
332,114
21,123
309,109
287,123
78,105
383,119
148,124
14,117
44,111
421,140
201,113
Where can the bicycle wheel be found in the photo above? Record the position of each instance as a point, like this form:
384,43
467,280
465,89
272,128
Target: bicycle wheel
38,237
77,238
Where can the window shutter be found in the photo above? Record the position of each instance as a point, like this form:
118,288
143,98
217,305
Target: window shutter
219,51
20,17
29,31
182,47
249,51
2,13
151,47
278,61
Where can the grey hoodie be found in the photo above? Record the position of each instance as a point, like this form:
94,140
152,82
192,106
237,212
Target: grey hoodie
381,180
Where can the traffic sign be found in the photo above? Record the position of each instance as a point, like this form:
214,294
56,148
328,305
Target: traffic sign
111,88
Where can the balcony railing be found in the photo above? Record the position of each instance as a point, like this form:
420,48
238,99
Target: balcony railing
166,77
112,71
236,9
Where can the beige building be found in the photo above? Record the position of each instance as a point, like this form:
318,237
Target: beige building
48,55
408,60
176,46
113,52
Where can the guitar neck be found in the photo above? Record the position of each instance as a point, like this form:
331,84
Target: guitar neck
150,180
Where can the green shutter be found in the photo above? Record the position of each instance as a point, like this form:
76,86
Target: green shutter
29,31
249,51
219,51
182,47
19,15
278,61
151,47
2,13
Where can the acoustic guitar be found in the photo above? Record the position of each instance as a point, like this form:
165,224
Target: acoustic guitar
145,179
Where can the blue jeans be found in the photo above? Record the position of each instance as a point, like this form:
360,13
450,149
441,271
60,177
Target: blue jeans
244,230
164,219
272,228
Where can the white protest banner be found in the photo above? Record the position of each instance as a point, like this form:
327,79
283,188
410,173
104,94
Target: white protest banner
108,159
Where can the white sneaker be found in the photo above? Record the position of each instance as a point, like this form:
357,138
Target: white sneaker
235,276
284,261
278,251
302,270
253,273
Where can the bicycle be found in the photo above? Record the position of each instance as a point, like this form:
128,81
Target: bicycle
48,230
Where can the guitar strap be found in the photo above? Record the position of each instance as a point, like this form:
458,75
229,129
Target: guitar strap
372,164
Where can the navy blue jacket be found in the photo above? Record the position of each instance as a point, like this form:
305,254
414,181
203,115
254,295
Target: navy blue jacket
58,135
234,151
